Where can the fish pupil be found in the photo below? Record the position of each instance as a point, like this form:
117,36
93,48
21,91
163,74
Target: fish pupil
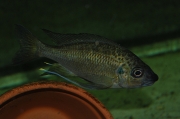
137,72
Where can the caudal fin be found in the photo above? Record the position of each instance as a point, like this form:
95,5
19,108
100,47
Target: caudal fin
28,46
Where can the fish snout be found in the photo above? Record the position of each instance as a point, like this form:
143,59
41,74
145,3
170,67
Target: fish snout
150,79
151,76
154,77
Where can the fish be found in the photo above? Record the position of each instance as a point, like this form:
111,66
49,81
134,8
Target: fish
100,62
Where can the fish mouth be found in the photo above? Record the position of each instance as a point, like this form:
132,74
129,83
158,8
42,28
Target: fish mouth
152,79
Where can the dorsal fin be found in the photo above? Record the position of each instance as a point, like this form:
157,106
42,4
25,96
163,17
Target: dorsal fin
60,39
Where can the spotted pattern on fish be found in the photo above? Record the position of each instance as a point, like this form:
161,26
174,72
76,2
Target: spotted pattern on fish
91,57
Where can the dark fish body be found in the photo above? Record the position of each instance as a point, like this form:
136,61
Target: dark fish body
93,58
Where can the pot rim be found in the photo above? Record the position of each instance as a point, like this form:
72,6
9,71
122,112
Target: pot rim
58,86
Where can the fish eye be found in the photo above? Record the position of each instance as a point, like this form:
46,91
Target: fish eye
137,72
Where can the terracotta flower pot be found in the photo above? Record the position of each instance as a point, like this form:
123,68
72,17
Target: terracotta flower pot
50,100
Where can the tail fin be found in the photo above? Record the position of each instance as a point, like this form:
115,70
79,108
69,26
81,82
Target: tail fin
28,46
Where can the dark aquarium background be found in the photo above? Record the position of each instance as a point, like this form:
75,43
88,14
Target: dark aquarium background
150,29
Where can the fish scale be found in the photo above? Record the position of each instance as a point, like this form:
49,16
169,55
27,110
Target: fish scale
105,64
